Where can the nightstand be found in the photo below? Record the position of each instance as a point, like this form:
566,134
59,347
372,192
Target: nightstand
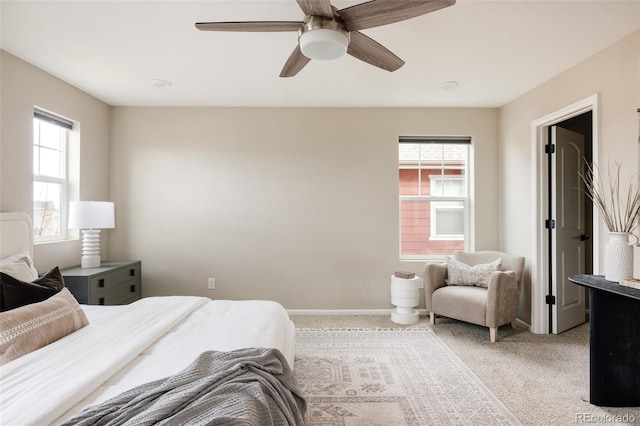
113,283
405,294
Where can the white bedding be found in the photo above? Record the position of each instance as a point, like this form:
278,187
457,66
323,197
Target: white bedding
125,346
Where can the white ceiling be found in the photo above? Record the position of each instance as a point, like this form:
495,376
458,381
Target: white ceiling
496,50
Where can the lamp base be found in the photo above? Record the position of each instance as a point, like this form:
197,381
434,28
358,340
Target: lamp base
90,262
90,248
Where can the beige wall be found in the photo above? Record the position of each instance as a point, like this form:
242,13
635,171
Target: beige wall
297,205
23,87
614,75
293,204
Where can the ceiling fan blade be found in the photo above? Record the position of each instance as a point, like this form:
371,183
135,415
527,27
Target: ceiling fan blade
316,7
256,26
382,12
370,51
294,64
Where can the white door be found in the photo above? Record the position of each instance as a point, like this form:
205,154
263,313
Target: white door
568,240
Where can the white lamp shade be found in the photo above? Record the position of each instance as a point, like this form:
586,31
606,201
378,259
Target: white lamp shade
323,44
91,215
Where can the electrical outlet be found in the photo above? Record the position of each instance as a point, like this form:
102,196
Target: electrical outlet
211,283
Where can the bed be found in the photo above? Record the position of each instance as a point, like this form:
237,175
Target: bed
129,346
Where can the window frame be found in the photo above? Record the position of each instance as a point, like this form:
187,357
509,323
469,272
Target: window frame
466,199
62,180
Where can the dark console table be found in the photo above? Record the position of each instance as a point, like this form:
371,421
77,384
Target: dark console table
614,342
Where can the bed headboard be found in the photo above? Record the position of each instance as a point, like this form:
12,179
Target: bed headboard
16,234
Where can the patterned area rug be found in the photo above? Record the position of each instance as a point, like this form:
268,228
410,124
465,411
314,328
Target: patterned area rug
390,377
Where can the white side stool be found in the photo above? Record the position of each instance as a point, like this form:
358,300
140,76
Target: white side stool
405,295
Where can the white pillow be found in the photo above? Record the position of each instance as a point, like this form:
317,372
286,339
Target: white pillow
19,266
459,273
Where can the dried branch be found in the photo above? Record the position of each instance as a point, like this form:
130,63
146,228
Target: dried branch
617,216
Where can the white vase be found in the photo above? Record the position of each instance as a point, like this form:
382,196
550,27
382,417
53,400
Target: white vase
619,256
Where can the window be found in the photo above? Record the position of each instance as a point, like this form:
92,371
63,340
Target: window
434,200
50,143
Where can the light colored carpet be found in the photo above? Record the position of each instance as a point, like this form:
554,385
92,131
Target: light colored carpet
542,379
403,378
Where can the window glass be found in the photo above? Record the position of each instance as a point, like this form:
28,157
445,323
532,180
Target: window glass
47,203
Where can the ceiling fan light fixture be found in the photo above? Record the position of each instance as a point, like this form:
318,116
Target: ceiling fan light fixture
160,83
324,44
449,85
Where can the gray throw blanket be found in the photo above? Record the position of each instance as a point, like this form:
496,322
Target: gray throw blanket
243,387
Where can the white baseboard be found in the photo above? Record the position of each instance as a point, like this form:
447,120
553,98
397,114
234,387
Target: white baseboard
345,311
523,324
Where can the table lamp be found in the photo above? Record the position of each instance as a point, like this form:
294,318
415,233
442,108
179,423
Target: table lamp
91,217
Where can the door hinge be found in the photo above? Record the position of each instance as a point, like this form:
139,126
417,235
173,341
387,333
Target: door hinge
549,148
550,224
551,300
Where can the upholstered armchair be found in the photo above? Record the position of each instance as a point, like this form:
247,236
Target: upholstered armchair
468,299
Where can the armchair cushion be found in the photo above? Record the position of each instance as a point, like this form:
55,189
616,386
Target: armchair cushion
462,302
459,273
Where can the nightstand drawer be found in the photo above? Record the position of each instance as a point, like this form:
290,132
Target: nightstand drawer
118,294
112,283
111,279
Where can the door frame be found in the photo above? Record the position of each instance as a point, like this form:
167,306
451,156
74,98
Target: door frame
540,266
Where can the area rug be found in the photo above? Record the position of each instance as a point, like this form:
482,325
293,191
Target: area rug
390,377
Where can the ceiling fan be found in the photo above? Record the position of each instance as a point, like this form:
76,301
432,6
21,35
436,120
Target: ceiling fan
328,33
